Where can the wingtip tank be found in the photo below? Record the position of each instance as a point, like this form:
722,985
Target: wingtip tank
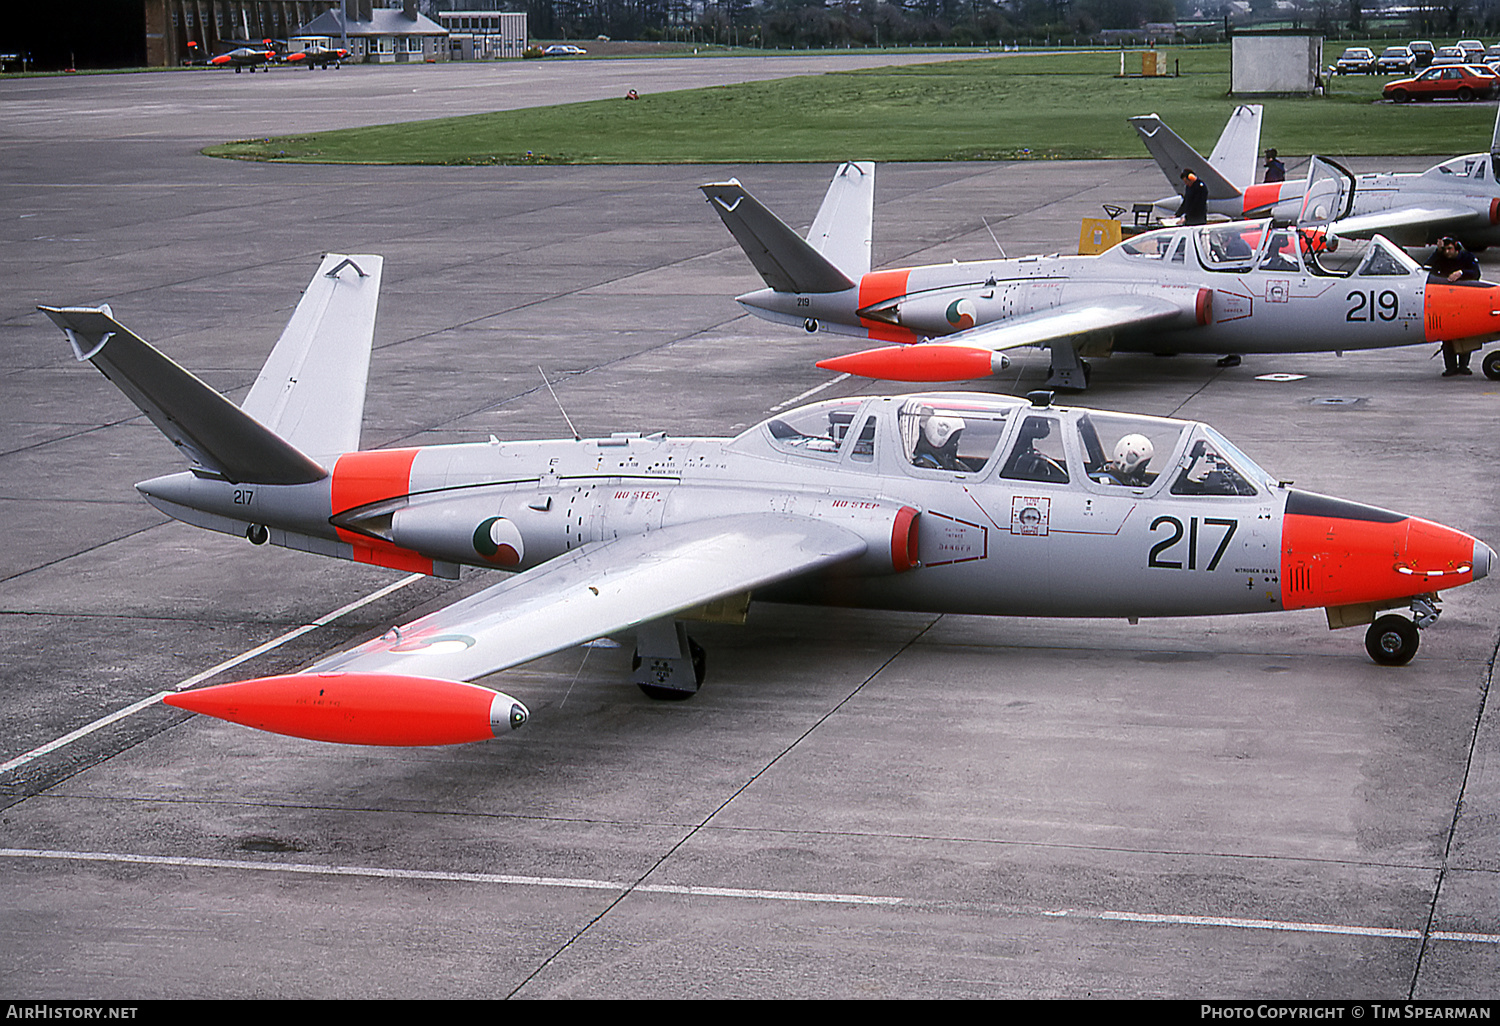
361,708
919,363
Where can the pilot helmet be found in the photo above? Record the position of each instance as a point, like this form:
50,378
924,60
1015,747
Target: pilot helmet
940,430
1133,452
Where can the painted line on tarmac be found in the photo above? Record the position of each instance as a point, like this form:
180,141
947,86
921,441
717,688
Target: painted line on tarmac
811,391
576,883
1235,922
197,678
182,861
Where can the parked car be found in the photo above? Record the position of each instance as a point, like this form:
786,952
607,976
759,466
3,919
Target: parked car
1442,81
1449,55
1397,60
1357,60
1423,51
1473,50
563,50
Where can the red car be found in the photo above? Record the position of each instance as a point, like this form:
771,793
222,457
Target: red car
1457,81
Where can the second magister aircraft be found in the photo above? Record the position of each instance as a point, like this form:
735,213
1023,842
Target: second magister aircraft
1224,289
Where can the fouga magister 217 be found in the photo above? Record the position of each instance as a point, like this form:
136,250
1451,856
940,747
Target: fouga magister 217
944,502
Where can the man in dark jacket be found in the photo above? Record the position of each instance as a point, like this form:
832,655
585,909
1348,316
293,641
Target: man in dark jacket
1194,209
1275,169
1451,262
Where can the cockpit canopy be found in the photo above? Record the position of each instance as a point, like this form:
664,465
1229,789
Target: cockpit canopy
973,436
1240,247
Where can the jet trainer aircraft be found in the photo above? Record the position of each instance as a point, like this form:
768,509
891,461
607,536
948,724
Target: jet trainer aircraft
316,56
1231,288
943,502
1459,197
244,58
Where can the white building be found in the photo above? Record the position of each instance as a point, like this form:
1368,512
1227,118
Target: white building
383,35
484,35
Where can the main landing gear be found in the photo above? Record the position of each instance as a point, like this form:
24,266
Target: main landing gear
1392,640
669,665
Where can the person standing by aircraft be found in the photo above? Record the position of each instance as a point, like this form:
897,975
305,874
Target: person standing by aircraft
1454,263
1275,169
1194,209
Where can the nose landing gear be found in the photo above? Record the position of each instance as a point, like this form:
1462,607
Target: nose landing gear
1393,640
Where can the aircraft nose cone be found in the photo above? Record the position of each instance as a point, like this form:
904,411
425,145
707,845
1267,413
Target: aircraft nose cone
1484,559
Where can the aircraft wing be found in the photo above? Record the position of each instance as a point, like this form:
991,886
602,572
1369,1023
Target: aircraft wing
1384,222
599,589
970,354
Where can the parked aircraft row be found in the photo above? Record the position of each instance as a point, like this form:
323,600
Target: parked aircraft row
248,56
935,501
940,502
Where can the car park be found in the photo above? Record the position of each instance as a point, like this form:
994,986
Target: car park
1445,81
1356,60
1397,60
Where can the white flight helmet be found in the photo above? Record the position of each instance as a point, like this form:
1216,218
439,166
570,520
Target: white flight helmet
1133,452
939,430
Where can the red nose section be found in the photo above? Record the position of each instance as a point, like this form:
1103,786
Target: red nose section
1461,310
360,708
1337,553
916,363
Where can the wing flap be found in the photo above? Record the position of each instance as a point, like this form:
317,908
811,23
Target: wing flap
601,588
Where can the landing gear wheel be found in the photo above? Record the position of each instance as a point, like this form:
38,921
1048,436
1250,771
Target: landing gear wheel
661,694
1392,640
1491,365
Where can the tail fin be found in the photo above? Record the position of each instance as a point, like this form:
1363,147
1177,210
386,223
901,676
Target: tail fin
1173,156
845,223
1236,155
311,391
836,252
309,397
221,439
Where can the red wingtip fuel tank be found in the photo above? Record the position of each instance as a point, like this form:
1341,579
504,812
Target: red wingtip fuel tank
1339,553
918,363
360,708
1456,310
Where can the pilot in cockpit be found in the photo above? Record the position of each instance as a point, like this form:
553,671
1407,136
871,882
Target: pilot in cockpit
937,443
1132,454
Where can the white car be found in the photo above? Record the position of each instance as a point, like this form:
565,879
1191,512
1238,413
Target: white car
563,50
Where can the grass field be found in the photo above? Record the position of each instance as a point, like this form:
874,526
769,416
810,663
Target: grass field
995,107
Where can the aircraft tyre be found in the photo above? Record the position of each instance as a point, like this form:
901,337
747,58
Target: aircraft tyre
1491,365
1392,640
700,669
